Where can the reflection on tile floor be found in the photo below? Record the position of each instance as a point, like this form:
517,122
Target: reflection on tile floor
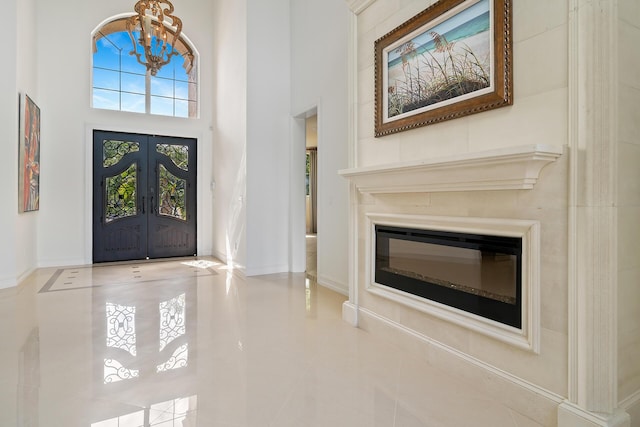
312,256
174,344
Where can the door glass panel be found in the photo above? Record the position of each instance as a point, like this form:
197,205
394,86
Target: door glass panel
121,195
179,154
114,151
172,195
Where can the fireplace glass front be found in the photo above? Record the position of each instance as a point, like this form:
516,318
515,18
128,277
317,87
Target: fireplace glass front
476,273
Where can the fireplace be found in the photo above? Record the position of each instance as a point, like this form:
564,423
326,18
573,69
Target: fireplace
476,273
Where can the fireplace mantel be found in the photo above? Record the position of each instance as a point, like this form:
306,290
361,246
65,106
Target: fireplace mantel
513,168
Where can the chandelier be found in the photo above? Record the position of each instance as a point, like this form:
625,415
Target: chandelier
159,31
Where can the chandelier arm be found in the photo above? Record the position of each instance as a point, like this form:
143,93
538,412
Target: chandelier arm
153,31
131,24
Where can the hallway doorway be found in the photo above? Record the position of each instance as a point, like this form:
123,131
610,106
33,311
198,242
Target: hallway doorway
144,196
311,201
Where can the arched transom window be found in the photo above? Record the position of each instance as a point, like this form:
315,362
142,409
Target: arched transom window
120,82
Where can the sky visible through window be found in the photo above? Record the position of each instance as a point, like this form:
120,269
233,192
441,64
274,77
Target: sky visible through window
119,81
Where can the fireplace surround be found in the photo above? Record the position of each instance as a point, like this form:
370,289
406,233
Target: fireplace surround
511,252
509,168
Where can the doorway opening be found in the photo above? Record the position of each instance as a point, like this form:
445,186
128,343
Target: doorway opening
144,196
311,197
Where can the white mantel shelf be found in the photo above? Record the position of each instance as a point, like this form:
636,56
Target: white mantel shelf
513,168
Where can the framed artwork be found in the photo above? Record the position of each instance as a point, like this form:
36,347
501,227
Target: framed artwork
452,59
29,156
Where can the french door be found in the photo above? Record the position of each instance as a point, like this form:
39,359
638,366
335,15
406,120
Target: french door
144,196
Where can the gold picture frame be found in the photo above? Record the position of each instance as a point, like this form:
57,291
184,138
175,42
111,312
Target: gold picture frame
450,60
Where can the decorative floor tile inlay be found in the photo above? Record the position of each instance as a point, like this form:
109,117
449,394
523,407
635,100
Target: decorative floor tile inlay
67,279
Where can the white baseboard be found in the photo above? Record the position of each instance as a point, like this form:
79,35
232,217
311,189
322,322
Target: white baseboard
333,285
8,282
350,313
219,255
632,406
570,415
26,274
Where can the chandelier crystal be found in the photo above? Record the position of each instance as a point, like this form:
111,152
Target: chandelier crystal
159,31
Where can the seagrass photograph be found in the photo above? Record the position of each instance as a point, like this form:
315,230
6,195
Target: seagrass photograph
451,60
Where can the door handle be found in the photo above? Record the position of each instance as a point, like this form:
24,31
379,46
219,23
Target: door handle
153,210
144,202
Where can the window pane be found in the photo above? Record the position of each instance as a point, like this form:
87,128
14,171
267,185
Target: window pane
107,55
161,87
130,63
133,103
178,66
133,83
166,71
106,79
106,99
162,106
182,108
182,90
120,81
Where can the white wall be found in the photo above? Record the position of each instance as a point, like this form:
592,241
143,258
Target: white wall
320,40
8,210
229,130
18,253
64,80
268,136
27,66
9,141
629,206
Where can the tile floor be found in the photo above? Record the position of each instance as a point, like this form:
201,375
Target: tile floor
312,256
192,343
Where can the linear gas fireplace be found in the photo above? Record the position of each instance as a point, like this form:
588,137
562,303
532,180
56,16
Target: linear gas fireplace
476,273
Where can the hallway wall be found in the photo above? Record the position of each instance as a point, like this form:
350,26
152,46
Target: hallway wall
229,131
268,136
18,252
320,41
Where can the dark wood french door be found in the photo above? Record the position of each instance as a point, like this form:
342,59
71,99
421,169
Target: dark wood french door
144,196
